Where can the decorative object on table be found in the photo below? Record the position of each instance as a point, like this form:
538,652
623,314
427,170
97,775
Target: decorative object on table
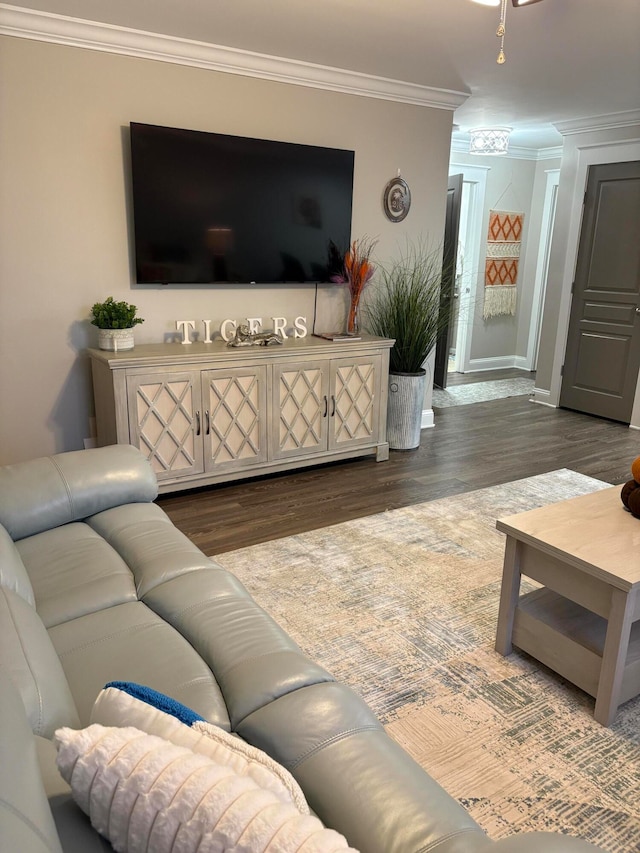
501,265
396,199
245,338
630,493
115,322
356,273
406,307
337,336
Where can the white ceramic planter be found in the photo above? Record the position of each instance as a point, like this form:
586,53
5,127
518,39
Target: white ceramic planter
404,410
115,339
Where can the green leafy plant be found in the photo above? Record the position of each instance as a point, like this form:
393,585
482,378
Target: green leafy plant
114,315
405,305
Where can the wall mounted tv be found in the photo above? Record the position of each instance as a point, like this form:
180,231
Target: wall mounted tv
211,208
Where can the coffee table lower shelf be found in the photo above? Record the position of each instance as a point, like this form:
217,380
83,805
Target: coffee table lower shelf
570,639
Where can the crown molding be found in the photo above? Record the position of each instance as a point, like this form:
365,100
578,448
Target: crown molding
460,145
25,23
604,122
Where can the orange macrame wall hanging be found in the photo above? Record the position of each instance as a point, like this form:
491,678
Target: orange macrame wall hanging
502,261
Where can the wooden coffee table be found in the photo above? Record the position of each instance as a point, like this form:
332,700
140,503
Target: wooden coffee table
583,623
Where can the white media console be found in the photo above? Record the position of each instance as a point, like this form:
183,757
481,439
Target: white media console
207,413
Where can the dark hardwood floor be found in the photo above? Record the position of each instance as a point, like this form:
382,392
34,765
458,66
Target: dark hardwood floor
471,447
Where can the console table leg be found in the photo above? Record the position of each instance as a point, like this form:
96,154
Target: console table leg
614,656
509,594
382,452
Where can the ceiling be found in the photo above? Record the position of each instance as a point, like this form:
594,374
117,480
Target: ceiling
566,59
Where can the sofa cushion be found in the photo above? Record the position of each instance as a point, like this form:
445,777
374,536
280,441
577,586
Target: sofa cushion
119,704
129,642
54,490
13,573
29,659
350,769
144,793
73,571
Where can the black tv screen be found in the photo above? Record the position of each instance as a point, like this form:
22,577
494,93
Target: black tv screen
211,208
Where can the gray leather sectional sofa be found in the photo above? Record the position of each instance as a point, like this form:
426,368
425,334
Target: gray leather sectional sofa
97,585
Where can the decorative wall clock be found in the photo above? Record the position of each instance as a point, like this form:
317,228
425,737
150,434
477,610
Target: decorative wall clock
396,199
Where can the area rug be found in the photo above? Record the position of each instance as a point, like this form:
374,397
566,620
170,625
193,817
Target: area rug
403,606
480,392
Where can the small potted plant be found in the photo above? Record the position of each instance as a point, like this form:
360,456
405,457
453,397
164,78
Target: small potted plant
115,322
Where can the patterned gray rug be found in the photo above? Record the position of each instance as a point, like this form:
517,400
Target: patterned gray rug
480,392
402,606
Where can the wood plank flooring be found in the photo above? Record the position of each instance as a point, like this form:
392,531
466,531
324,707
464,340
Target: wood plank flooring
471,447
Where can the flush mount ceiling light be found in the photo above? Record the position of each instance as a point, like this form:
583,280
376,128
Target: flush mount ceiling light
489,140
502,26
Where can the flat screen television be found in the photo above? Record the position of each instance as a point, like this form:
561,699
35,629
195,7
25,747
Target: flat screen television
210,208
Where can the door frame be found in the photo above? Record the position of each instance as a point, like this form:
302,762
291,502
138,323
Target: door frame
587,155
447,290
542,267
476,178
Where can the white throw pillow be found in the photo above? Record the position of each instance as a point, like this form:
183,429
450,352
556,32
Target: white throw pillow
145,794
117,707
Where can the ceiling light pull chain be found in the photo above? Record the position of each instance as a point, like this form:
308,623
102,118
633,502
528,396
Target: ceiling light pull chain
501,31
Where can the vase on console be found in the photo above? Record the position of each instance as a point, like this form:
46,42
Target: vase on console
353,318
356,273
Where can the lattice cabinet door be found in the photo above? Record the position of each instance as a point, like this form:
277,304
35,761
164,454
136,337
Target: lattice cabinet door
235,419
354,402
301,408
165,421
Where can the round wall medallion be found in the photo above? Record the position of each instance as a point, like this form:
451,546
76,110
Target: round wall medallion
396,199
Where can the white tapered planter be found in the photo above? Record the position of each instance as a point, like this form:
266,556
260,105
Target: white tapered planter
404,410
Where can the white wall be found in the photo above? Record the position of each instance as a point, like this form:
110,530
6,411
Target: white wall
65,219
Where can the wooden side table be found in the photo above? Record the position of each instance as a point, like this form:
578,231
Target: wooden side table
584,622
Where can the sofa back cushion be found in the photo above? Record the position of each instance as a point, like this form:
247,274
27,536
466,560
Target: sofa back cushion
30,661
54,490
26,824
13,573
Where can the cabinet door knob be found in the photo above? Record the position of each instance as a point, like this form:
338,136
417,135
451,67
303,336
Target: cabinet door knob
197,423
206,417
333,405
326,406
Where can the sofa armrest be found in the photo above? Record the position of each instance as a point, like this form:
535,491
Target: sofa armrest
356,778
55,490
26,823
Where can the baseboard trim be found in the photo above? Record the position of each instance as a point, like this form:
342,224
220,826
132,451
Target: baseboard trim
542,396
108,38
521,362
499,362
428,420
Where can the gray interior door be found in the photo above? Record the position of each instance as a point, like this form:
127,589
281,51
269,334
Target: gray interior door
450,255
603,347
